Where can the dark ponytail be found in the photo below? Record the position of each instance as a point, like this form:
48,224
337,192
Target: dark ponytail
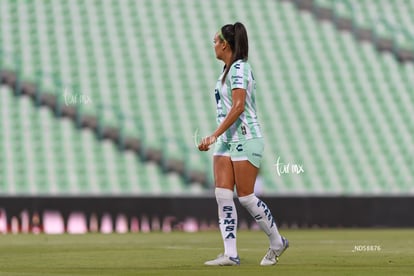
236,37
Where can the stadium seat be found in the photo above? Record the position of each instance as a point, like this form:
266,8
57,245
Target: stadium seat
373,15
51,157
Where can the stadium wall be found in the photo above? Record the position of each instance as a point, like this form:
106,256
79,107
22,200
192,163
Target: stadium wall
289,212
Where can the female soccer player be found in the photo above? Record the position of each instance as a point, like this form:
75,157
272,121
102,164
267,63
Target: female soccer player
238,147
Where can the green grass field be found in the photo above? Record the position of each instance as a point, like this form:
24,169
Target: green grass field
311,252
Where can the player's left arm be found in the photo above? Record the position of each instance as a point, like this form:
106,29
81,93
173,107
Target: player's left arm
239,99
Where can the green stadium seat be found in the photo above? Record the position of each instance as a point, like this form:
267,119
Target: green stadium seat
376,15
47,157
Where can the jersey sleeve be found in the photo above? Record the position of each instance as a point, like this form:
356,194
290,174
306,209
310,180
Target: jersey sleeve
238,75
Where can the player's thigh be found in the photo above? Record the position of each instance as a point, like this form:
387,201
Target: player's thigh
246,157
245,174
223,172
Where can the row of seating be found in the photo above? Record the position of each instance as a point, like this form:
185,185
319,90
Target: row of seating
45,156
392,19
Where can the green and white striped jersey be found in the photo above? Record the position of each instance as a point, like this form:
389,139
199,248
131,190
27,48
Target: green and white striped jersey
246,126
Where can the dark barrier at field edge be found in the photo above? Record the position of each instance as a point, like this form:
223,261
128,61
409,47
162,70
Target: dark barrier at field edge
288,211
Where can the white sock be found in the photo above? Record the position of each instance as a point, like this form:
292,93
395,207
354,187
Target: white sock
227,214
261,213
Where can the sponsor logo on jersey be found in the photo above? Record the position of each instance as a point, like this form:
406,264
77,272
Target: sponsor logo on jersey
239,147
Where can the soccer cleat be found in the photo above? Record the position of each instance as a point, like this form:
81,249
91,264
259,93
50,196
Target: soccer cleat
223,260
272,255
